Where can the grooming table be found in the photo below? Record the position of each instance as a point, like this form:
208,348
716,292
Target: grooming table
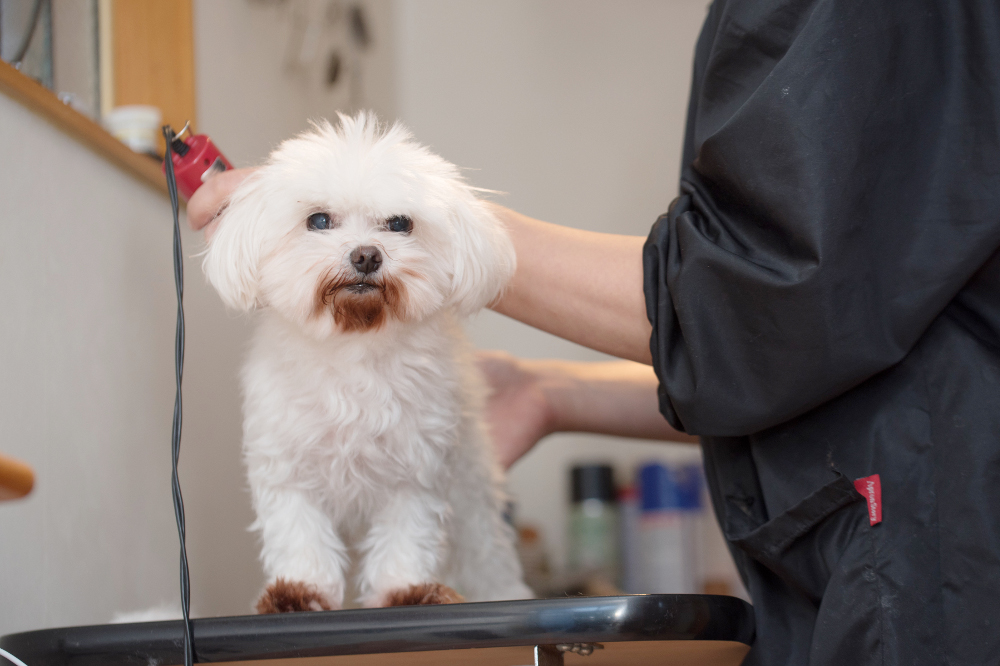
647,630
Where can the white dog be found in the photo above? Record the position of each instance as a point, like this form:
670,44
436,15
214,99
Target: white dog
363,436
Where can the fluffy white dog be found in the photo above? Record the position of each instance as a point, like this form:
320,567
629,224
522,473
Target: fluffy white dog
363,436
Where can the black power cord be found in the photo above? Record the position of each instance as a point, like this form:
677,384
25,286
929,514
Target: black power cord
175,436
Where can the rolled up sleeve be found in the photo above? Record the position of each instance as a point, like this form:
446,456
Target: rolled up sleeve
835,200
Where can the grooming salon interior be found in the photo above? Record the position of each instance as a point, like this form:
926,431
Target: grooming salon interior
572,112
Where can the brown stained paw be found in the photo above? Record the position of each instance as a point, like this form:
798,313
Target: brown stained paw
422,595
284,596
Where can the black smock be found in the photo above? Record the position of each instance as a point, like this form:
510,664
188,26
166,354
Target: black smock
825,301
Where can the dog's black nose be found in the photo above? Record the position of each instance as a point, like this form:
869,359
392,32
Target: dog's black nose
366,259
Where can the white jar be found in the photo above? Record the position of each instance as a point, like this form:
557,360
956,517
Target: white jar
135,125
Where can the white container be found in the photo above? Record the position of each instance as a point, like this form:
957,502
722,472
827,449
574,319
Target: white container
664,564
135,125
668,529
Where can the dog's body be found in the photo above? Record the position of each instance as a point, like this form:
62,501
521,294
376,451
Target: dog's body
363,436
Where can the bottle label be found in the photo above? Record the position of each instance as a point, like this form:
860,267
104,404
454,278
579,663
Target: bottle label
594,539
666,564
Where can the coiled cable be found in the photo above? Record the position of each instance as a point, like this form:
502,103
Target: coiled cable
175,436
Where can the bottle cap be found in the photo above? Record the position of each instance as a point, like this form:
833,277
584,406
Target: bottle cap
593,482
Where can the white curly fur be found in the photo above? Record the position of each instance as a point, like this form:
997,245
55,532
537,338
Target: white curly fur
367,445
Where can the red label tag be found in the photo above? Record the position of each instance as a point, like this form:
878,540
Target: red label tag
870,488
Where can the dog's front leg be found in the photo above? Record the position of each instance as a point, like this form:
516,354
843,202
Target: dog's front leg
405,551
303,556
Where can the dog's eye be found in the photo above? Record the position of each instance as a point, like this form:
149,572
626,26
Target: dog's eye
319,221
399,224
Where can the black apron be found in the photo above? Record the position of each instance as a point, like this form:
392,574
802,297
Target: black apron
825,301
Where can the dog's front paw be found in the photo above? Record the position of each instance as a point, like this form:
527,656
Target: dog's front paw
285,596
424,594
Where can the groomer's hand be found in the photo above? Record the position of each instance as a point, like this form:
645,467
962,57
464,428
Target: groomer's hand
532,398
208,201
517,411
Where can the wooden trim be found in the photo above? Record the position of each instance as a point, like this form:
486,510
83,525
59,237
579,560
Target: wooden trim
153,58
16,478
43,101
105,55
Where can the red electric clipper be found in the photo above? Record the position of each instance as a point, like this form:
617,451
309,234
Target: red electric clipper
196,159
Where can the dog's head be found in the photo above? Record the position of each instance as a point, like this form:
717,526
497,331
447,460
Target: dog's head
351,227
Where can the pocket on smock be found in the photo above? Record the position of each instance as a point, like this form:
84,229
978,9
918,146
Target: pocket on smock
802,545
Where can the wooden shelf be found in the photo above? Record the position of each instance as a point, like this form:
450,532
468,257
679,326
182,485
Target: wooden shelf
44,102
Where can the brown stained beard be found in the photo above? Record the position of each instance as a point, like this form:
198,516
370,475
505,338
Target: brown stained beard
357,309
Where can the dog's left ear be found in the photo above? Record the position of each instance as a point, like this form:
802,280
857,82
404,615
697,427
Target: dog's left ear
233,256
484,258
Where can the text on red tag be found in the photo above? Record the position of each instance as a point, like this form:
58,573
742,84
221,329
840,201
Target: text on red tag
870,488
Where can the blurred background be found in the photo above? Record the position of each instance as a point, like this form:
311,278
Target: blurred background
573,109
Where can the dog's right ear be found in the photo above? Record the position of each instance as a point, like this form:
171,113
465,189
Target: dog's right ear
232,260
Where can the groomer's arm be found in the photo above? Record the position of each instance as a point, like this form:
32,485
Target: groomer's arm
580,285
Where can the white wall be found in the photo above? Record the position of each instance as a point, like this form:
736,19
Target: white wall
253,91
86,367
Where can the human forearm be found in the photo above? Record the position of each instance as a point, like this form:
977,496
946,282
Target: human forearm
614,398
583,286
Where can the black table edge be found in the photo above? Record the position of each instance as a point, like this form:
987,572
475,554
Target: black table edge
653,617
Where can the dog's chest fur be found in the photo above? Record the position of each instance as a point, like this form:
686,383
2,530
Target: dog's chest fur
350,417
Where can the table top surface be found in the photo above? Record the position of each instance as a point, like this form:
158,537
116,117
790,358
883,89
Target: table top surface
407,629
710,624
